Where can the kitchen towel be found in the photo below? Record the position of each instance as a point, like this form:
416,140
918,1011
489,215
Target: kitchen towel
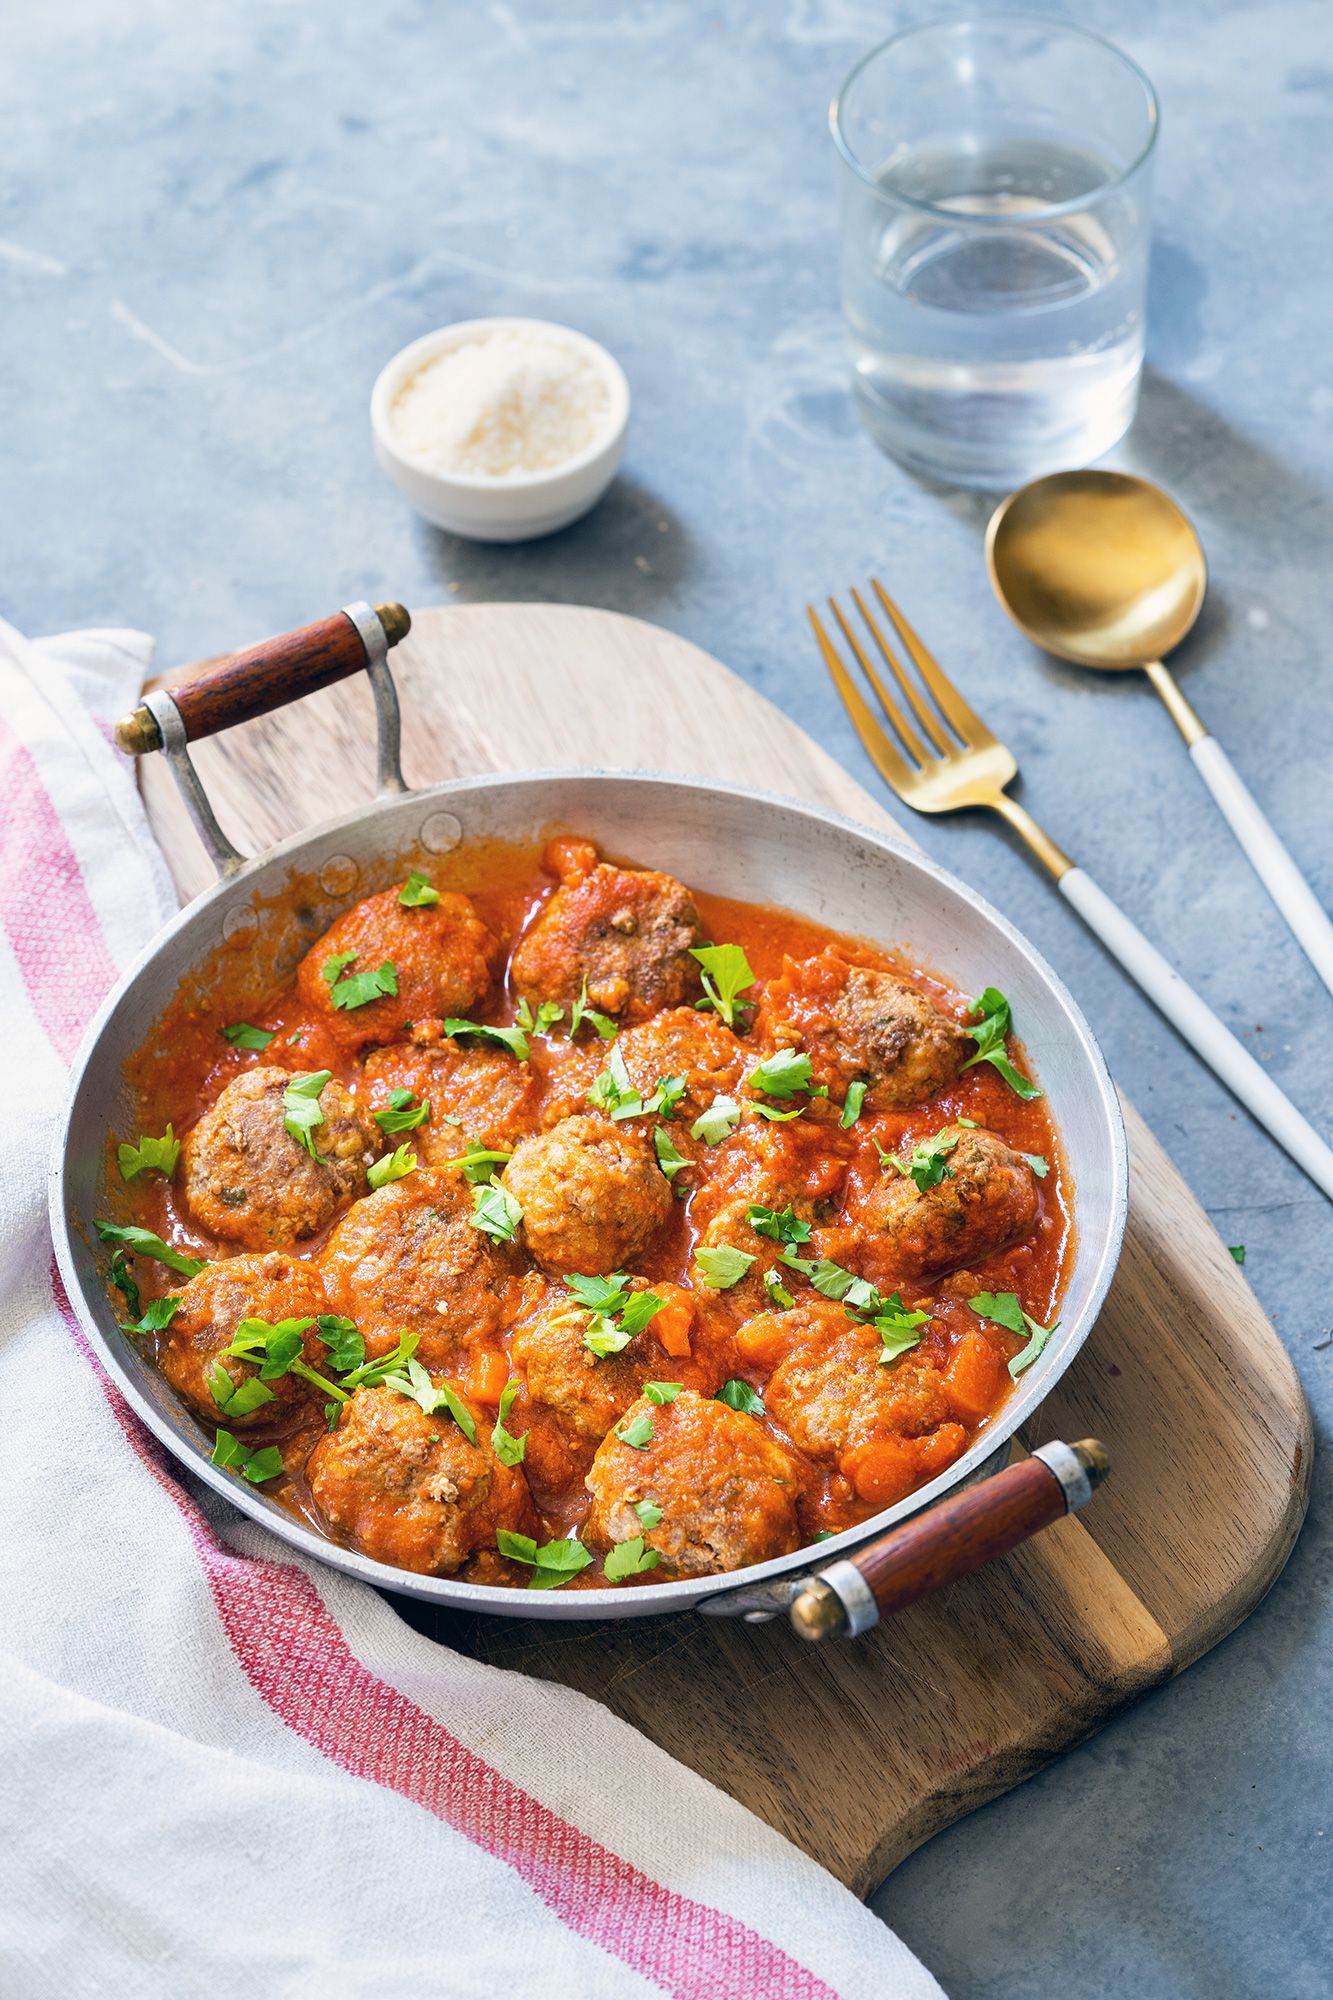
227,1771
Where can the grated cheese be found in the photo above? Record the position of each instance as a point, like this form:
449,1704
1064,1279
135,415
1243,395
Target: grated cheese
512,400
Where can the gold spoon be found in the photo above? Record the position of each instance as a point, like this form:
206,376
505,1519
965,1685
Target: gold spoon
1105,571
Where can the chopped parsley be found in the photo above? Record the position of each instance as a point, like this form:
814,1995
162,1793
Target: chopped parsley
725,973
580,1012
662,1392
738,1395
1237,1252
403,1113
669,1156
302,1115
242,1036
783,1074
143,1243
898,1328
723,1266
495,1212
124,1280
237,1399
369,1374
553,1563
416,1383
510,1450
1006,1311
417,892
718,1122
342,1337
612,1090
157,1317
648,1512
852,1103
395,1166
157,1155
478,1163
778,1295
629,1558
783,1225
1039,1164
256,1466
512,1039
357,989
993,1025
637,1432
927,1166
616,1314
548,1014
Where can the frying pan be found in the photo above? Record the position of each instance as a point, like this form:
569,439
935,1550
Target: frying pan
731,842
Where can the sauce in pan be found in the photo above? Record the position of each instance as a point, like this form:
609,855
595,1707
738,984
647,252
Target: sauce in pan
585,1229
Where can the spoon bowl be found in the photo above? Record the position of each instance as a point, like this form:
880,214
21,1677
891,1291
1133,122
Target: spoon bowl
1098,568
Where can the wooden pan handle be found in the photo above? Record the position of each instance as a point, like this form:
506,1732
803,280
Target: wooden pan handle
262,678
949,1540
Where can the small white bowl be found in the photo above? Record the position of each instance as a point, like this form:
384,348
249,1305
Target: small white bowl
516,506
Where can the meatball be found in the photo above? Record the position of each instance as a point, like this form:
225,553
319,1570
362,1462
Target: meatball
854,1022
272,1288
246,1180
627,931
409,1489
885,1425
475,1092
443,959
592,1195
726,1489
729,1227
410,1259
683,1042
585,1392
986,1201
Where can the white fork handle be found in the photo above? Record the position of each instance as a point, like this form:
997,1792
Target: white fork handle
1200,1027
1269,858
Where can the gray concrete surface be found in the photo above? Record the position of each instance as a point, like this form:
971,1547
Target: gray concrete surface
218,221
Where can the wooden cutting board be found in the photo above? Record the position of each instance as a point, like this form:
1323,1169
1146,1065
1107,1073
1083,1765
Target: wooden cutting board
858,1752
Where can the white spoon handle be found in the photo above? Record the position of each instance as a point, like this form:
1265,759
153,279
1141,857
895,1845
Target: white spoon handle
1200,1027
1269,858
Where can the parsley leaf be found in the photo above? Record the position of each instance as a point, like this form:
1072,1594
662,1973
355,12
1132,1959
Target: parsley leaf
1236,1251
612,1090
237,1399
648,1512
158,1316
637,1432
402,1115
512,1039
738,1395
669,1156
603,1295
124,1280
1038,1163
639,1310
778,1295
417,892
395,1166
274,1345
898,1329
548,1013
629,1558
726,974
718,1122
783,1074
479,1162
368,1374
495,1212
989,1035
667,1095
1006,1311
617,1314
256,1466
722,1267
158,1154
927,1165
783,1225
302,1116
144,1244
510,1450
342,1337
357,989
242,1036
852,1103
554,1563
417,1384
580,1012
834,1282
662,1392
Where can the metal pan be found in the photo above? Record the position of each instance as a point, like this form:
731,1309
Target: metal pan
733,842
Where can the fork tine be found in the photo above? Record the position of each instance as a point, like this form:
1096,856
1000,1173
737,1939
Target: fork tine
891,767
907,736
968,724
930,722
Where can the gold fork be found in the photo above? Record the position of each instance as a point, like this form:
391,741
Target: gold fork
941,758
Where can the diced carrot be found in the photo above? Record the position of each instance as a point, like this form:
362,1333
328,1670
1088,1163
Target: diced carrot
975,1378
487,1373
882,1470
569,858
671,1326
937,1451
765,1339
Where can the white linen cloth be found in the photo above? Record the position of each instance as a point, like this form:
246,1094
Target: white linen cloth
226,1771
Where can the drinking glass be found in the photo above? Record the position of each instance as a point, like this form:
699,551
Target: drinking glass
995,184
